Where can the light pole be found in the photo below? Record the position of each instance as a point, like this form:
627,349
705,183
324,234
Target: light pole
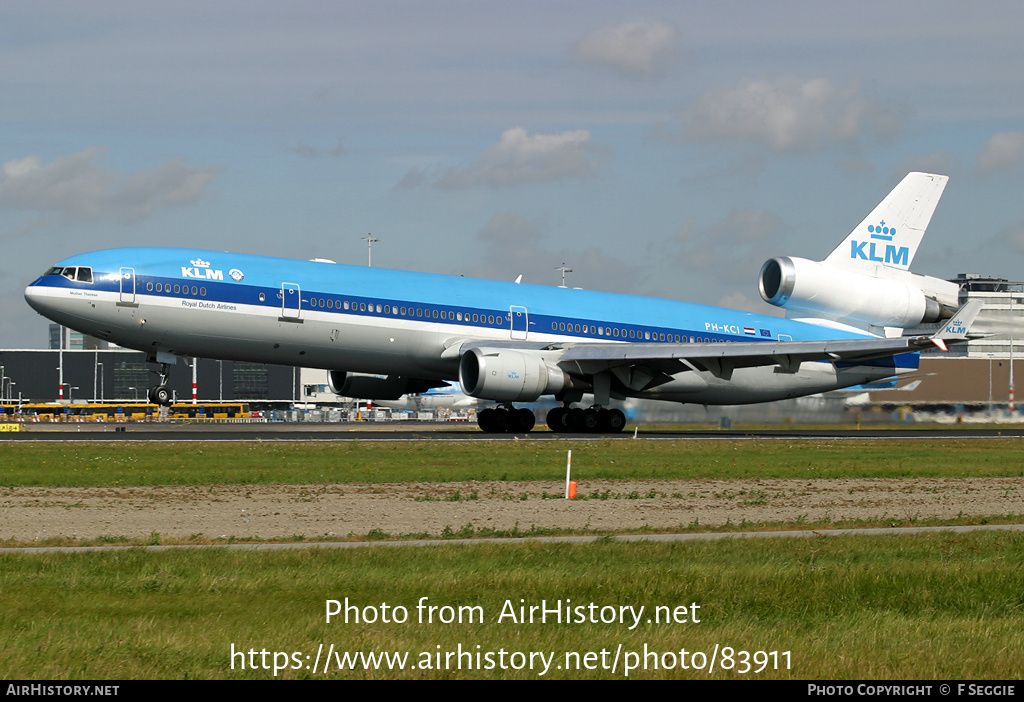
60,362
370,240
564,271
1011,354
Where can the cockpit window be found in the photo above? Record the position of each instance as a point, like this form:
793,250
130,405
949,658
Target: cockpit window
83,274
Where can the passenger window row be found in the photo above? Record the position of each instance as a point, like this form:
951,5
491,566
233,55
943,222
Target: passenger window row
409,312
635,334
178,289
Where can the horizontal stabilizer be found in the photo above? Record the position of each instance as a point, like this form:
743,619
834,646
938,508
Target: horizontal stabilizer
958,326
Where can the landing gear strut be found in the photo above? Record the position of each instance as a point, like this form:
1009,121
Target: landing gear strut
160,394
506,419
595,420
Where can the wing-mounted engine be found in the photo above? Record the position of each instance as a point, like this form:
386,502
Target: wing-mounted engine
377,387
505,375
892,299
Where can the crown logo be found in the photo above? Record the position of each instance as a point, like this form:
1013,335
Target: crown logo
200,263
881,231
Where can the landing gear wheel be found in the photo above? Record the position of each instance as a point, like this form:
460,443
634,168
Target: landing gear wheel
591,421
500,421
485,418
522,420
556,419
160,395
612,421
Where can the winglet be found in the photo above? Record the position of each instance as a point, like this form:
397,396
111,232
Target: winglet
958,326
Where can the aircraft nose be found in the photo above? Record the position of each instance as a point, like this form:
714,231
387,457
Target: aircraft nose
37,298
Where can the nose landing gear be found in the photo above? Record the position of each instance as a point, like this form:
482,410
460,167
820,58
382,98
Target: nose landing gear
161,394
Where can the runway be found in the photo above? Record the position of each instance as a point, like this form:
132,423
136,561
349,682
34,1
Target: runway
418,431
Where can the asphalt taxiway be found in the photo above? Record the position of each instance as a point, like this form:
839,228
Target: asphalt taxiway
417,431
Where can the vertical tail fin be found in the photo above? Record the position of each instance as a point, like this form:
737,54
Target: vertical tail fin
890,235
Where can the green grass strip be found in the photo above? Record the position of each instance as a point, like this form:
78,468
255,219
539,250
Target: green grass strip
135,464
907,607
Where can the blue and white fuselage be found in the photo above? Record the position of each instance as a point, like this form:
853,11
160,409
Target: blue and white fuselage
504,342
370,320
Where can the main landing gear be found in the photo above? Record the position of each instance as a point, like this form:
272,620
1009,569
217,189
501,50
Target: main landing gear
595,420
161,394
509,420
506,419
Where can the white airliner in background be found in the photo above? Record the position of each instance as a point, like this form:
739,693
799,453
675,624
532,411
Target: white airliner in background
449,397
381,334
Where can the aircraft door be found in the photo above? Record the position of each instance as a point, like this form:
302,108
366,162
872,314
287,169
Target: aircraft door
520,322
127,285
291,301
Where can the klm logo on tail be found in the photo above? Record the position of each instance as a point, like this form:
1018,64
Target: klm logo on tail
872,250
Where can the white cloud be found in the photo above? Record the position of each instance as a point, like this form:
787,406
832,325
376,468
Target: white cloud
638,48
1003,151
519,159
78,188
787,115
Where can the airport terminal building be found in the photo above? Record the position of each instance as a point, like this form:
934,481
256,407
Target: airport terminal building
125,376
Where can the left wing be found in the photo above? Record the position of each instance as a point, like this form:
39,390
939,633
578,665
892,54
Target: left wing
721,359
588,358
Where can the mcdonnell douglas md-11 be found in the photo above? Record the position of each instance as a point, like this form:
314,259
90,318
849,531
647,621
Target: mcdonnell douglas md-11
381,334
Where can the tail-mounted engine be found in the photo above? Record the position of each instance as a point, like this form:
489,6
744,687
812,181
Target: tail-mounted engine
898,299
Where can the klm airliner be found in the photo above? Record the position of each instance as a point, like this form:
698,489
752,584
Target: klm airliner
381,334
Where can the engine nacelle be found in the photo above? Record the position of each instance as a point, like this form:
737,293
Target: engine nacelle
846,296
508,376
375,387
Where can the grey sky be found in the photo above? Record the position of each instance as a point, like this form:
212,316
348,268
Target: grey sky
659,148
